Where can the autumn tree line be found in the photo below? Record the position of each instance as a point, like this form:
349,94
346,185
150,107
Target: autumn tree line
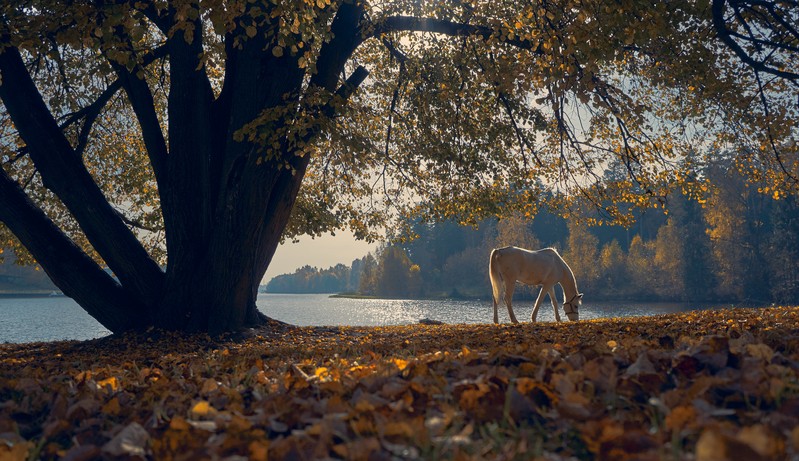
737,243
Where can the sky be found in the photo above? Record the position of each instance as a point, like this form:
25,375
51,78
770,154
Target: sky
321,252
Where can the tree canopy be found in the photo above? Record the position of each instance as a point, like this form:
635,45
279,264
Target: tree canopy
173,141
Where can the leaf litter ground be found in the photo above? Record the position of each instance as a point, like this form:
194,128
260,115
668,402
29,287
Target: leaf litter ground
705,385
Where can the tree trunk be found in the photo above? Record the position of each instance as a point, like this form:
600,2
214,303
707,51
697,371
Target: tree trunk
225,201
218,290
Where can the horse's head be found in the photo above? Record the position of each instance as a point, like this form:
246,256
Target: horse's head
572,306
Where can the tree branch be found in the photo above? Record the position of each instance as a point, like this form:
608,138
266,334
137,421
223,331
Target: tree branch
136,224
63,172
335,53
141,99
454,29
503,98
91,112
725,35
769,132
74,272
352,83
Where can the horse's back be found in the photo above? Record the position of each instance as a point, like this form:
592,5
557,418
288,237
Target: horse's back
545,254
515,249
529,266
549,252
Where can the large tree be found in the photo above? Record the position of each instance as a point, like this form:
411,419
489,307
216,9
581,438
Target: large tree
168,141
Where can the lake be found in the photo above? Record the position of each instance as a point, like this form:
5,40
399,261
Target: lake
56,318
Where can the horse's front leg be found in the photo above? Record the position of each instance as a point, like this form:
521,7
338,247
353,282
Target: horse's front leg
538,301
554,302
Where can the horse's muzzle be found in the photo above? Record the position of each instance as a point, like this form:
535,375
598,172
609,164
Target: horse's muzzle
573,316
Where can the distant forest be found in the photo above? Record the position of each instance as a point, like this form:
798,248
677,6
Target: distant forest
738,244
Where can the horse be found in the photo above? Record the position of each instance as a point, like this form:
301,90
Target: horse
533,267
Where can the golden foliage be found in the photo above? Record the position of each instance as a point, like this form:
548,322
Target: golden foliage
538,100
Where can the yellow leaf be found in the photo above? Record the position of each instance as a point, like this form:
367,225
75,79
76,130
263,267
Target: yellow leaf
400,363
277,51
322,372
202,408
111,382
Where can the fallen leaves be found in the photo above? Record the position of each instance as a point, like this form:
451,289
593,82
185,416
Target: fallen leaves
709,385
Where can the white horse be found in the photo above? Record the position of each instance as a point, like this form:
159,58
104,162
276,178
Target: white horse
543,267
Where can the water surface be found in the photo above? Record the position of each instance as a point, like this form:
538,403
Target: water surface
59,318
316,309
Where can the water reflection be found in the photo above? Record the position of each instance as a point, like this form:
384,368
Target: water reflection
322,310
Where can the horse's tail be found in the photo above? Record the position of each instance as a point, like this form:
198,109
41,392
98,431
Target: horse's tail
497,284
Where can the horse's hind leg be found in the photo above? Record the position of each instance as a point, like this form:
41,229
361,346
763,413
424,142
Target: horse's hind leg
554,302
538,300
508,298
